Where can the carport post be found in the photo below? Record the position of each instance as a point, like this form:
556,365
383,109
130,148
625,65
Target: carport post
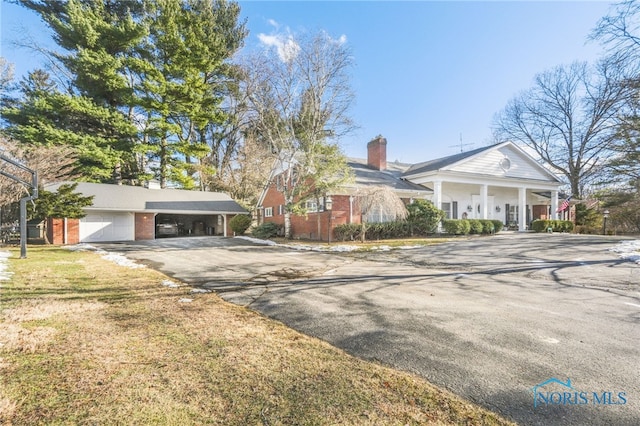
224,225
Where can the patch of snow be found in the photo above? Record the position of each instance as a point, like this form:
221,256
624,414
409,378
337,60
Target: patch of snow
257,240
122,260
628,250
200,290
185,300
117,258
4,260
170,284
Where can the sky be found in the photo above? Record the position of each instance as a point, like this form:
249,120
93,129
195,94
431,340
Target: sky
428,76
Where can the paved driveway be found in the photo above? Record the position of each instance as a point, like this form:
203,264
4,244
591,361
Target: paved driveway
487,318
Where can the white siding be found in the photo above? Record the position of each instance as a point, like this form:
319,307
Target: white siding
488,163
107,226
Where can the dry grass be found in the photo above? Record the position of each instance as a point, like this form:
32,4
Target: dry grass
87,342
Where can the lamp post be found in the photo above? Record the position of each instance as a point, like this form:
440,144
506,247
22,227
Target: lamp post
328,205
605,215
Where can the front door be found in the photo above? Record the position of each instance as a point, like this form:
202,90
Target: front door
477,207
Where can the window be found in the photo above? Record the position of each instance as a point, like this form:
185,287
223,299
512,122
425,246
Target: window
311,206
268,211
377,215
446,208
280,209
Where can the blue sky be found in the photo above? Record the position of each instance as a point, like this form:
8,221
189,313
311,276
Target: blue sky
426,72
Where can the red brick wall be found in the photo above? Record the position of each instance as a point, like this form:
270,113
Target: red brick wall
145,226
56,231
307,226
377,153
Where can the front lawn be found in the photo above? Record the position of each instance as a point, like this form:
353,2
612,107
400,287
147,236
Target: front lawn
87,341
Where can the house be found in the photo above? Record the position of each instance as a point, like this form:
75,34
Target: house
128,213
499,181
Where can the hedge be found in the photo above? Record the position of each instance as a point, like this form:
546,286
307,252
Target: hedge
456,226
374,231
473,226
541,225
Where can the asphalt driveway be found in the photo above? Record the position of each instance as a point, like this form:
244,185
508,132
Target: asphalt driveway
487,318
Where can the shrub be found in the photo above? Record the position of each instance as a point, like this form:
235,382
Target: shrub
456,226
347,232
487,226
266,230
541,225
423,218
475,226
497,225
240,223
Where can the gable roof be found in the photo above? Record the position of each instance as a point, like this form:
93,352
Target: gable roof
440,163
366,175
487,161
140,199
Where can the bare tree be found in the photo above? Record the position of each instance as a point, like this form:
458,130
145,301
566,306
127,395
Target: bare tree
569,118
300,95
381,203
619,31
52,164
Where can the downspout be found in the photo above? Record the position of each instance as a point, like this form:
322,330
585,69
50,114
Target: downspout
64,231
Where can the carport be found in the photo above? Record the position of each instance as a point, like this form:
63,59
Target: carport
127,213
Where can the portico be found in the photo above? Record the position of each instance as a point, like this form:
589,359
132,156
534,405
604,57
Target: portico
496,182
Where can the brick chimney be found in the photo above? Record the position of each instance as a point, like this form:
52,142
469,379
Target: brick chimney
377,153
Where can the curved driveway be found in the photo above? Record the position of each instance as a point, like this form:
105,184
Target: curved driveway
487,318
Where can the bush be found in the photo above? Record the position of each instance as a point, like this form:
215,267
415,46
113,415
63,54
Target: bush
487,226
423,218
240,223
540,225
456,226
475,226
347,232
375,231
497,225
266,230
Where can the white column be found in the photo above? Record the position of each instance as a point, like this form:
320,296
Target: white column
554,205
483,202
224,224
437,194
522,209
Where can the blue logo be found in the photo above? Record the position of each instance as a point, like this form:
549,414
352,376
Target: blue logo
568,395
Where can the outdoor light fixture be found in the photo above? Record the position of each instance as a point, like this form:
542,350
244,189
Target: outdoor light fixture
469,208
498,209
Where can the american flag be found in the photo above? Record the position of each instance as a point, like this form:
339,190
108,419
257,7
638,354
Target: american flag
564,205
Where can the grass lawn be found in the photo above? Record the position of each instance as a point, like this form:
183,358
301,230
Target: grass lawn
86,341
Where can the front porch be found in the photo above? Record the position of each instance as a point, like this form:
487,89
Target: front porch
516,205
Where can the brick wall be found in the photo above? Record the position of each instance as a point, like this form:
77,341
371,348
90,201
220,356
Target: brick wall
306,227
56,231
145,226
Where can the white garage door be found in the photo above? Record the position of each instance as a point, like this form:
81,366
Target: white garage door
107,226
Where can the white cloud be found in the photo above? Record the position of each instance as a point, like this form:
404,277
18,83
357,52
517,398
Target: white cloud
284,44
